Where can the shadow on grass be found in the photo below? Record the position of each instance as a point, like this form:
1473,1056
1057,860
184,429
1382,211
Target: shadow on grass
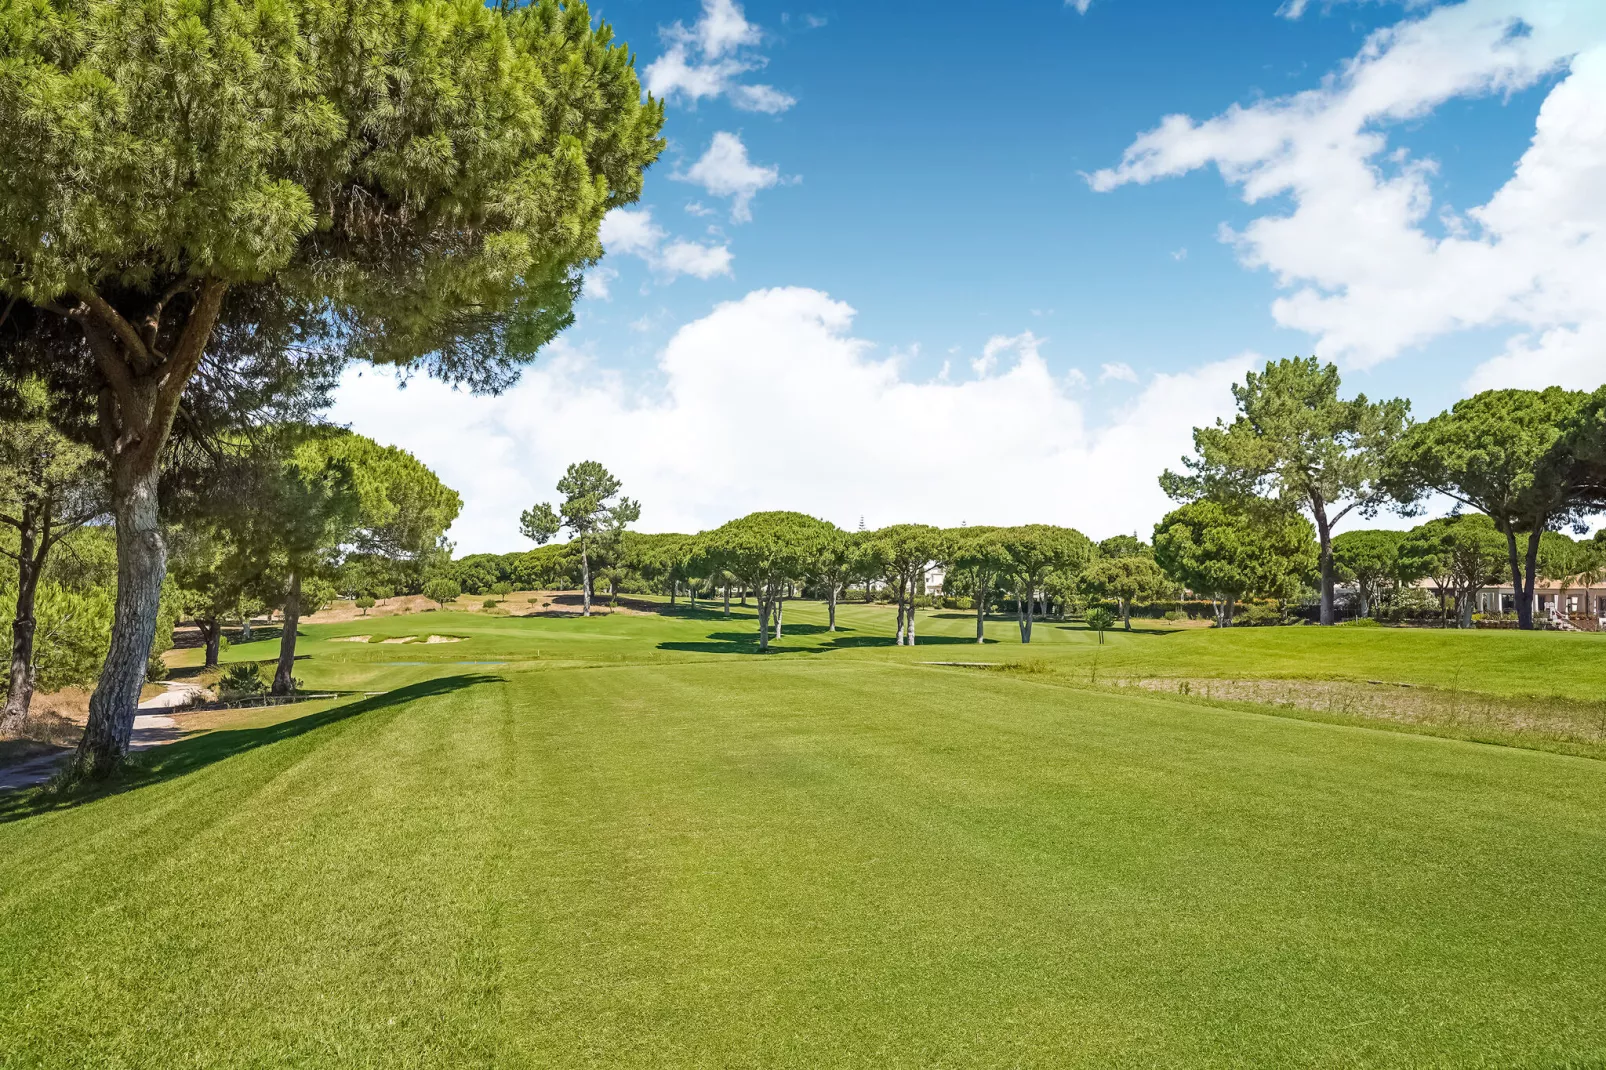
747,642
166,762
739,643
1077,626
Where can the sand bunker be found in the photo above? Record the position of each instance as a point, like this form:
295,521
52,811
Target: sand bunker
351,639
402,639
444,639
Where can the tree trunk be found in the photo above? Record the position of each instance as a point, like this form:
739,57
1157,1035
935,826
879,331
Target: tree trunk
141,566
780,610
245,627
1366,601
284,677
898,597
674,589
830,606
727,600
141,395
30,562
761,596
585,582
691,593
1324,534
981,613
1126,614
1229,610
212,631
1523,573
909,630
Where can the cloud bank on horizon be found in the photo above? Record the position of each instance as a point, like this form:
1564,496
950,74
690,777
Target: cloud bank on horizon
770,402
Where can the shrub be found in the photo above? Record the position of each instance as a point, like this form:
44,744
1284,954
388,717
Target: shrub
1261,615
490,603
242,680
365,603
1361,622
1175,614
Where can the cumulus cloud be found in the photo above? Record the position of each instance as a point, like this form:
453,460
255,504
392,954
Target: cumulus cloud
631,232
1081,6
1119,372
1367,270
725,171
770,402
707,59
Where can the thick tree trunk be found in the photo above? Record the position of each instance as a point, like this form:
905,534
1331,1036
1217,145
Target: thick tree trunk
830,607
1229,610
981,613
212,632
761,596
780,611
1126,614
284,682
909,631
674,589
727,600
1366,601
141,567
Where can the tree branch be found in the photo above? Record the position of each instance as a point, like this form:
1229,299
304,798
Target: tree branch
102,310
181,366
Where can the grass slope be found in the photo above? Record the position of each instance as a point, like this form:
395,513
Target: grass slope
624,847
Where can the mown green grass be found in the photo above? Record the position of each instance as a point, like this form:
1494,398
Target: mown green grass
630,845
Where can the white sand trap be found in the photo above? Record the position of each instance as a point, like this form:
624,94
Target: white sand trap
403,639
444,639
351,639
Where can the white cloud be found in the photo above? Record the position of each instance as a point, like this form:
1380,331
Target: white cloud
690,258
770,402
1081,6
631,232
1119,372
723,28
707,60
597,283
1366,275
725,171
1180,254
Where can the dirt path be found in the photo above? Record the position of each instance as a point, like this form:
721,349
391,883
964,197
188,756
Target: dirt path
152,728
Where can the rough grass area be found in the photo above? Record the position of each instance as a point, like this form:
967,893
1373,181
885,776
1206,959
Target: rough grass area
629,842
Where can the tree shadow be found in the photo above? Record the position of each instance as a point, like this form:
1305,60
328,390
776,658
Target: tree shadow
739,643
856,641
157,764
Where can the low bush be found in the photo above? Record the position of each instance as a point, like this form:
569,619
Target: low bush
243,679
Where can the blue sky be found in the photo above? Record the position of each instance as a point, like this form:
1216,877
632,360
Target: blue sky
925,261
